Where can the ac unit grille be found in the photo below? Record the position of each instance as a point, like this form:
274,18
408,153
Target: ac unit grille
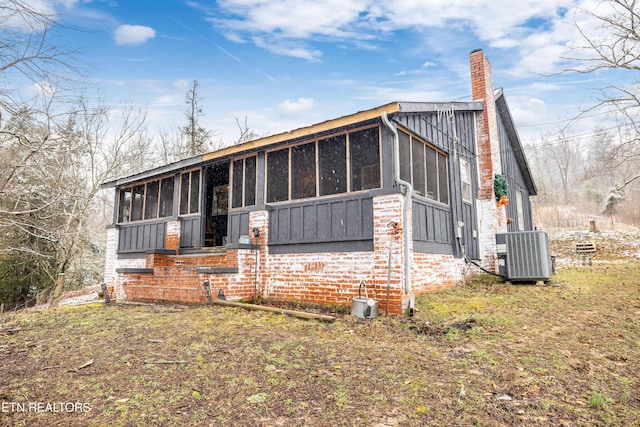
527,255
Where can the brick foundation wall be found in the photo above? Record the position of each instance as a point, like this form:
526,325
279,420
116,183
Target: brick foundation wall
435,272
334,277
324,278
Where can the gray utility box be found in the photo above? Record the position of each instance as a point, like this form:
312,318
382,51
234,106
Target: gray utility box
524,256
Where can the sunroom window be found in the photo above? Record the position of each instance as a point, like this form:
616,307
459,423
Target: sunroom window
150,200
244,182
190,192
424,167
348,161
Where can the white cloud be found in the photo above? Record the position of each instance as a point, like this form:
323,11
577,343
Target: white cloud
301,106
296,27
528,111
133,34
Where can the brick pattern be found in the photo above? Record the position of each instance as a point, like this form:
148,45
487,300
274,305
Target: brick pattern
325,278
491,218
434,272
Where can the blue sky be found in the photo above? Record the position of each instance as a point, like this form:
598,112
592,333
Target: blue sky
284,64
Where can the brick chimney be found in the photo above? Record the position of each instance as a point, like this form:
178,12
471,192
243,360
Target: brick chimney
487,123
492,219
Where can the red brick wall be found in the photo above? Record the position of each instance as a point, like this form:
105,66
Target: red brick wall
334,277
491,218
324,278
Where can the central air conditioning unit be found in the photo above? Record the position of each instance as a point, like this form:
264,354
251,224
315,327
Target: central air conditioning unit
524,256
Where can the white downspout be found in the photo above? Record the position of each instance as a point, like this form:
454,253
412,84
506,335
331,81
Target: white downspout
405,206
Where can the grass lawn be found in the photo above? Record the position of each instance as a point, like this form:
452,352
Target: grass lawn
486,354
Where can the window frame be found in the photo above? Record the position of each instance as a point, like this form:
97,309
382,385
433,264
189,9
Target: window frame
243,185
440,176
316,143
189,202
466,184
520,210
125,212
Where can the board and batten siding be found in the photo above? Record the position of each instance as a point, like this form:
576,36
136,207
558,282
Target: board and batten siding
516,184
141,237
339,224
191,231
434,224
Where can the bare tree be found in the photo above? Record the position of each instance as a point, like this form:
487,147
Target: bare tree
55,151
27,52
246,134
52,166
611,40
197,138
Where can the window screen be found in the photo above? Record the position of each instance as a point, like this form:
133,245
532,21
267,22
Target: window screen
166,197
364,148
250,181
417,160
332,165
151,200
405,156
124,205
137,203
194,196
185,179
238,179
278,175
303,171
432,173
443,178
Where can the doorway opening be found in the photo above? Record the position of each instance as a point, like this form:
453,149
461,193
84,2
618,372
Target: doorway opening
216,204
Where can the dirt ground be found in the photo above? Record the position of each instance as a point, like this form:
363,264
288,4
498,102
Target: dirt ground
486,354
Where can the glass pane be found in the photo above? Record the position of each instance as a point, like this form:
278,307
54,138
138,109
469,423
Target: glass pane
250,181
137,203
332,163
184,193
278,175
365,159
151,200
465,177
166,197
405,156
124,206
303,171
417,156
194,197
443,177
432,173
236,201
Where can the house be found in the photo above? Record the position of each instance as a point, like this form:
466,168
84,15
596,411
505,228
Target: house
398,197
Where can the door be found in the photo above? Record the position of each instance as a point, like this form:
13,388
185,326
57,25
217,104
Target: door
216,205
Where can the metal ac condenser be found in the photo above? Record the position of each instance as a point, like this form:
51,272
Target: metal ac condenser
524,256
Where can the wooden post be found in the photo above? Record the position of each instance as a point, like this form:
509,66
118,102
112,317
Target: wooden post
1,308
105,293
299,314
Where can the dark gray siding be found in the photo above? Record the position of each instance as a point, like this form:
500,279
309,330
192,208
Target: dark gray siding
141,237
515,181
338,224
191,231
434,224
238,226
432,228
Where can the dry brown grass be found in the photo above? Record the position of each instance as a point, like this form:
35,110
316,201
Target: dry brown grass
487,354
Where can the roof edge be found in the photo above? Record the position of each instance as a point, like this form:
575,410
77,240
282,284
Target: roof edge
360,116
